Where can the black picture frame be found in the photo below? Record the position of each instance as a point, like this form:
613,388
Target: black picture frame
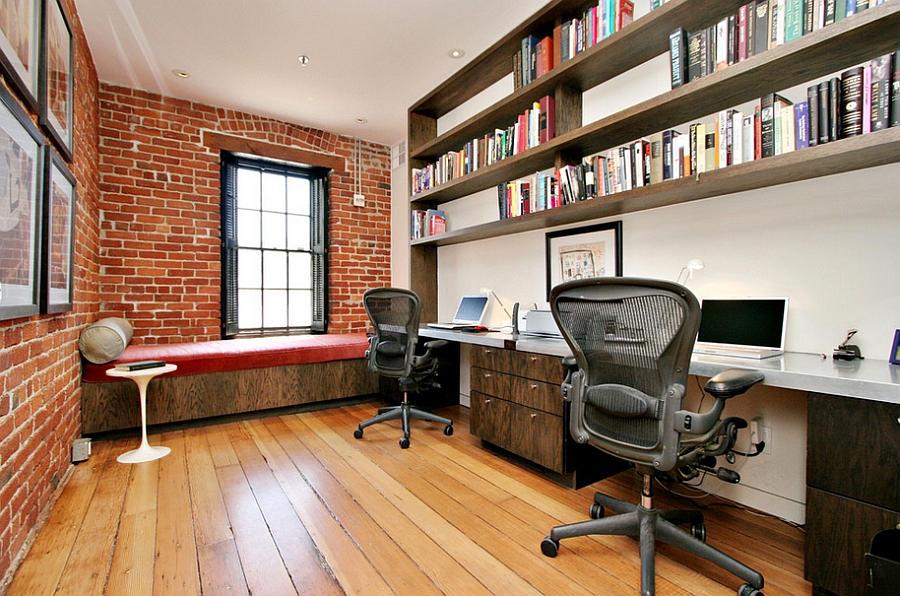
58,78
895,348
599,244
20,48
58,262
21,177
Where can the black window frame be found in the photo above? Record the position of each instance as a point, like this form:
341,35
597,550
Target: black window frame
319,198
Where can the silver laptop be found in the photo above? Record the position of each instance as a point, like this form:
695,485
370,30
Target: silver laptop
470,313
742,327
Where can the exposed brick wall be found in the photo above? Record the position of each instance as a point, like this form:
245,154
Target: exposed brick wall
39,363
160,195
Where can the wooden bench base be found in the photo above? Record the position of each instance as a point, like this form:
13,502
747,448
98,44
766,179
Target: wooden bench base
114,405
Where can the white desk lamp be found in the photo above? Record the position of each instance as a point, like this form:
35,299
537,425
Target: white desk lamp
688,270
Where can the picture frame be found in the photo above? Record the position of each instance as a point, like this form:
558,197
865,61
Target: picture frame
895,348
20,48
58,78
59,235
21,176
586,252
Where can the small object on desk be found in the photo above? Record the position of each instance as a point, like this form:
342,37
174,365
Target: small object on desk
473,329
142,365
142,377
846,351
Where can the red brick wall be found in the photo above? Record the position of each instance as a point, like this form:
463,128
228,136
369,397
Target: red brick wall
39,362
160,242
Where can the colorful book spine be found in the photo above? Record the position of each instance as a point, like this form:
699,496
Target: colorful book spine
801,125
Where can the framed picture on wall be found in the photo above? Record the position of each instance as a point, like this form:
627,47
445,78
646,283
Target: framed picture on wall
581,253
59,234
20,43
57,90
20,210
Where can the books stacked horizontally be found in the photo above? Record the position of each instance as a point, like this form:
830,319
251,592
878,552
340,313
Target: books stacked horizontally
427,222
142,365
534,126
756,27
540,55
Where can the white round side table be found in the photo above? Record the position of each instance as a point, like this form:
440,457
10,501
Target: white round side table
145,452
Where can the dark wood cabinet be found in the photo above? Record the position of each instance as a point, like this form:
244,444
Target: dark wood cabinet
517,406
853,458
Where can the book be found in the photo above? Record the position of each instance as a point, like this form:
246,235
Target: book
721,60
824,113
808,17
761,27
880,88
751,28
700,148
737,137
656,158
435,222
695,56
793,19
834,104
788,128
748,151
547,124
812,100
711,150
668,141
895,89
141,365
801,125
851,102
678,55
770,108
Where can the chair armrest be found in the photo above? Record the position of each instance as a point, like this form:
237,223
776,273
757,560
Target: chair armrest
434,344
732,382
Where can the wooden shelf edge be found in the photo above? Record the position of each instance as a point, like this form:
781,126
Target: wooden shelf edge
847,155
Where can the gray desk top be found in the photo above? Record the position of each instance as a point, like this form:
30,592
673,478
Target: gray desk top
877,380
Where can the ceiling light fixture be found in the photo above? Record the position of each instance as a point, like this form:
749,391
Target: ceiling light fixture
180,73
304,59
362,121
456,53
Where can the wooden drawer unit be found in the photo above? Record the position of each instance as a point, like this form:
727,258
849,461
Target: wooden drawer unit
517,405
853,487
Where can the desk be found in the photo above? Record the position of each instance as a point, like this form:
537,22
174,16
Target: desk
853,446
145,452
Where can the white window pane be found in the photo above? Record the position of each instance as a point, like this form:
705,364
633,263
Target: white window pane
274,269
249,309
300,271
298,232
298,195
273,230
248,233
300,313
275,308
247,189
249,268
273,192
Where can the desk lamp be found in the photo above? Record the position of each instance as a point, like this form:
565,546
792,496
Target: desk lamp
688,270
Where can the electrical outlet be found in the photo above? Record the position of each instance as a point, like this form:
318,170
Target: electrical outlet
755,425
359,200
767,437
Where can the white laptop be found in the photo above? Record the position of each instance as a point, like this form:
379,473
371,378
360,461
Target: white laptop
469,314
742,327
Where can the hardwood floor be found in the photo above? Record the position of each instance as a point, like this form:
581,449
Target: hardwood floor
294,504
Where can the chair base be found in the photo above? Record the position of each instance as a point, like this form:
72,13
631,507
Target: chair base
651,525
404,412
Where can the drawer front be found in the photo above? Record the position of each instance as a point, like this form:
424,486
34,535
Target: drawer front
490,419
527,392
523,364
537,436
854,449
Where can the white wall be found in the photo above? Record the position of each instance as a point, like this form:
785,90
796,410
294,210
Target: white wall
830,245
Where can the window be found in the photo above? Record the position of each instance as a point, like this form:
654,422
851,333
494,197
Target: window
273,262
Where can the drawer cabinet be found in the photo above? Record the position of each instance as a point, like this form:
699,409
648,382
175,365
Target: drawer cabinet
517,406
853,487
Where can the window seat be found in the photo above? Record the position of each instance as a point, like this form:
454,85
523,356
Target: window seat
217,378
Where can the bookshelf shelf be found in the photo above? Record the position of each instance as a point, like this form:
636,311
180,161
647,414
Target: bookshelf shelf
820,53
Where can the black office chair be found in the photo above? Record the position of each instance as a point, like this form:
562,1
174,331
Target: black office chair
394,313
632,341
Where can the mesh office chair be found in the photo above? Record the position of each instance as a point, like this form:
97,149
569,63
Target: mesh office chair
394,313
632,341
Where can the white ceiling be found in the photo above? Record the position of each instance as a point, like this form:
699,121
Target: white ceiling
368,60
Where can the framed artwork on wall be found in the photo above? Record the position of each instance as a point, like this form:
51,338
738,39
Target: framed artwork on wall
581,253
59,234
58,78
20,43
20,210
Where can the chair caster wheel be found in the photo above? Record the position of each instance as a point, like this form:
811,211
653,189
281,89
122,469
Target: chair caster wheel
549,547
698,531
748,590
597,511
357,434
448,430
404,443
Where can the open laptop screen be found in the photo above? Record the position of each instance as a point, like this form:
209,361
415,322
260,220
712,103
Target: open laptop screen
753,323
471,310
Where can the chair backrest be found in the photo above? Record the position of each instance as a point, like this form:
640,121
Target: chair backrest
632,339
394,313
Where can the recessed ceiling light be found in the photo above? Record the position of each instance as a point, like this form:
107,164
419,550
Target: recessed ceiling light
180,73
361,121
456,53
304,59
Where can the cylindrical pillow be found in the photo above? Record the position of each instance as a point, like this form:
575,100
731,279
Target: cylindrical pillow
105,340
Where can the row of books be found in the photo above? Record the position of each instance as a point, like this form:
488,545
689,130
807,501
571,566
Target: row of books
427,222
539,56
535,126
757,26
834,109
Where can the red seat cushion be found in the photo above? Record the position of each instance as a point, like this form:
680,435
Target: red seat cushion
235,354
